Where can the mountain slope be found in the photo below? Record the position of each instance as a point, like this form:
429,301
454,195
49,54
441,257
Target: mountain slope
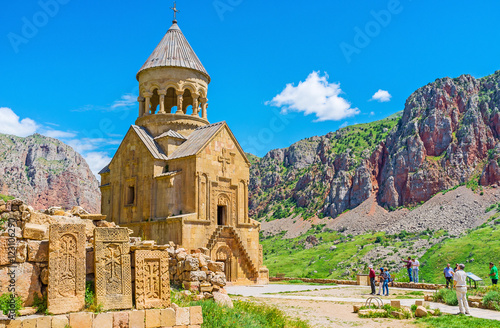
448,135
45,172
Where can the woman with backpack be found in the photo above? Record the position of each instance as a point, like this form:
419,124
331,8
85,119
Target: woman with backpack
387,280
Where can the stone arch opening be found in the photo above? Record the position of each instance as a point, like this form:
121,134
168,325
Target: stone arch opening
171,101
187,100
155,101
225,255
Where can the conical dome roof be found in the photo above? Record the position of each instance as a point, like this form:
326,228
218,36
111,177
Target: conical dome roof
174,51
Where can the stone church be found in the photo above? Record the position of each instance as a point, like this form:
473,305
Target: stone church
176,177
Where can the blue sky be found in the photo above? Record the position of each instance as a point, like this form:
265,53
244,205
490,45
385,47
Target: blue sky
68,66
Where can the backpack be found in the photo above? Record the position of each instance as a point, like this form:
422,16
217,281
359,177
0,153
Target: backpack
387,276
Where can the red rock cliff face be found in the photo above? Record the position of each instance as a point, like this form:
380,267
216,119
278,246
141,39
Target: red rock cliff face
448,134
45,172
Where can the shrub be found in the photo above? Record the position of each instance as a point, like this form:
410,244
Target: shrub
492,300
5,302
40,304
447,296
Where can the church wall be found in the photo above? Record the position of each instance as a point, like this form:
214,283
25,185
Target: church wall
131,183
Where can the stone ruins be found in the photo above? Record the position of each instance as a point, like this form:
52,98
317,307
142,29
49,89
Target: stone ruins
55,252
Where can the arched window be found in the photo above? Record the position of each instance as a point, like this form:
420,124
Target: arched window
171,101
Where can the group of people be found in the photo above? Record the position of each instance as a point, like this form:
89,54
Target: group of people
449,274
384,278
412,266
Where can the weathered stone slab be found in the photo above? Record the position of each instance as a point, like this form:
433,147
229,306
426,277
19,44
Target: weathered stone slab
113,285
167,317
152,279
38,251
44,322
136,319
81,320
153,318
35,231
195,315
182,316
27,281
103,320
60,321
66,291
120,320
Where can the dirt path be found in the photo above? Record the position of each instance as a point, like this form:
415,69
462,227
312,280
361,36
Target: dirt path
321,314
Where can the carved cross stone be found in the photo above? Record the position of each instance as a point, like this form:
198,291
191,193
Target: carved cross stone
224,159
152,279
113,285
66,290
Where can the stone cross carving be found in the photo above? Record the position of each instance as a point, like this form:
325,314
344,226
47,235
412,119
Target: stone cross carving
113,286
224,159
66,290
152,279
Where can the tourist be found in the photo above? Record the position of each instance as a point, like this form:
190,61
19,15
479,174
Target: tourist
408,267
415,264
380,280
493,274
387,279
372,279
459,281
448,275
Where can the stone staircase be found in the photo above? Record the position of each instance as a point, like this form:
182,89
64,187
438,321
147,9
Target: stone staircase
252,269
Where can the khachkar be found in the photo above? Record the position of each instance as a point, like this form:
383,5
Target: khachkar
152,279
66,290
113,286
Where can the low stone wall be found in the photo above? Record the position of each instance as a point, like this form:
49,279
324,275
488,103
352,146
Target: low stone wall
317,281
189,317
409,285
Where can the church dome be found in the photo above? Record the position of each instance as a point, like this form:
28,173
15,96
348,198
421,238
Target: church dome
174,51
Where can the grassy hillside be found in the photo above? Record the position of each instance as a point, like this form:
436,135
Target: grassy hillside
290,256
476,250
6,197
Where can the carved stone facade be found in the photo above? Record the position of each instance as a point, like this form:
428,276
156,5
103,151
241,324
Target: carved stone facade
66,285
113,285
175,176
152,279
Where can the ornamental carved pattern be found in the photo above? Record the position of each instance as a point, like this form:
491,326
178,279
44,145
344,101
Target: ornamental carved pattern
152,279
67,253
113,285
220,192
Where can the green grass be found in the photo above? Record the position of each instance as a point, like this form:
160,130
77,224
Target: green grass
6,197
454,321
243,315
480,245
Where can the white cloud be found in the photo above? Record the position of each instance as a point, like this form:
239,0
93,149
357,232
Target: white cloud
382,96
10,123
315,96
97,161
344,125
126,102
58,134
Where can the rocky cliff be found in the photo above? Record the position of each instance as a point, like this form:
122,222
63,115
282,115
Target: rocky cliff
44,172
448,134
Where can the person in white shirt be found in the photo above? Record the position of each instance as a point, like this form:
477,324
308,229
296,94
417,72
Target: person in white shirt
415,265
460,283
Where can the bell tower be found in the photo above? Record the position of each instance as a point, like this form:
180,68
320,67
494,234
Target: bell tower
173,87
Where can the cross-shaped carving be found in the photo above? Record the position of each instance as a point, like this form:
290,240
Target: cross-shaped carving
113,263
175,11
224,159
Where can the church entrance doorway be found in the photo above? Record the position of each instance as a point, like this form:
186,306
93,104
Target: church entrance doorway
221,215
